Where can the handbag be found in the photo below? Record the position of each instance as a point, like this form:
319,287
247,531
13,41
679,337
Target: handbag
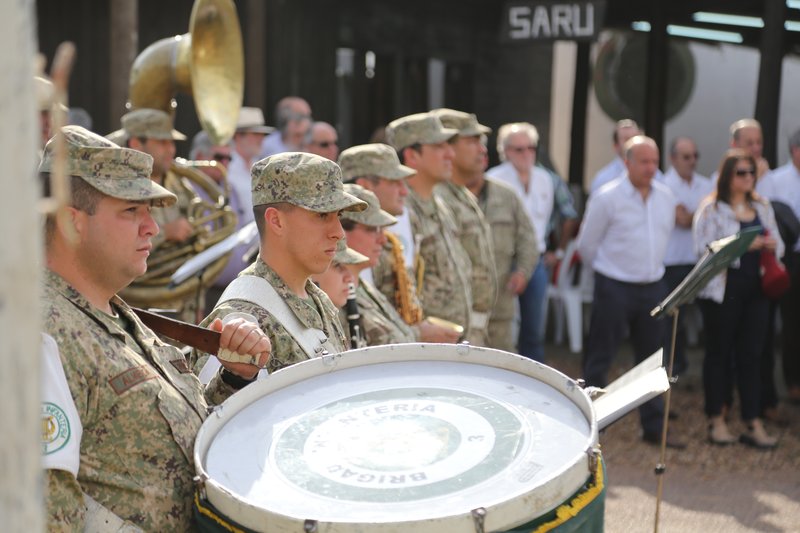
774,277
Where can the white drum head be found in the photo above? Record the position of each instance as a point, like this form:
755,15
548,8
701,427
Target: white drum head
399,438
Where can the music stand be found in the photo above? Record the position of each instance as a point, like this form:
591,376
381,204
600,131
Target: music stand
247,234
718,256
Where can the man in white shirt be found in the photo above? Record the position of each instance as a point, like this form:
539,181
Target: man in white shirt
689,188
293,117
746,134
624,238
623,130
518,143
322,139
783,185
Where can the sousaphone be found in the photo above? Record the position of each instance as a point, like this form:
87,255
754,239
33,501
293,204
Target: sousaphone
208,64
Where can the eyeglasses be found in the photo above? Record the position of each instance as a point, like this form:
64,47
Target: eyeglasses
741,172
521,149
222,158
327,144
693,155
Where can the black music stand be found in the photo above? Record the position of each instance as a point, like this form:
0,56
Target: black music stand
718,256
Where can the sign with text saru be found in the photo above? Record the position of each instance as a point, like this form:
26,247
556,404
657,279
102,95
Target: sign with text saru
552,21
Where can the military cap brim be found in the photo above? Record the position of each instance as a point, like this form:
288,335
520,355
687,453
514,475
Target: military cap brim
341,201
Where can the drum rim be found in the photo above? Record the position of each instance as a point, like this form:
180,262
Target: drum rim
572,476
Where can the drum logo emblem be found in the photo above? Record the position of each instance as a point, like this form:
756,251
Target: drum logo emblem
405,444
55,428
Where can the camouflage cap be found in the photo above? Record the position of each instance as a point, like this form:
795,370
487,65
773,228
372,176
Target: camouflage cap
373,160
422,128
466,123
305,180
117,172
347,256
373,215
147,124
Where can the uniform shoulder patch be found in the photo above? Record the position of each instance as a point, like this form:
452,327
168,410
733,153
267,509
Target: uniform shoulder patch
56,431
181,365
131,377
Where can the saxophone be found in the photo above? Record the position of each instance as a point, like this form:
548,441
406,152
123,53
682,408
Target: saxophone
404,293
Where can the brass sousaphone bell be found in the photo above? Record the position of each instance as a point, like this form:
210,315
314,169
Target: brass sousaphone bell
208,64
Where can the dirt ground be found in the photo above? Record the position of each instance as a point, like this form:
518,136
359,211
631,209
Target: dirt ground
706,488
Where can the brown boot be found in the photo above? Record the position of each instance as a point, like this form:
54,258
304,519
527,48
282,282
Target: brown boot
718,432
757,437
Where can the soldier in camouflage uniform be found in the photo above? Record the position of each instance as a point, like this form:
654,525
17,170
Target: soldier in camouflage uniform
473,230
150,131
422,143
336,281
377,168
120,408
364,230
338,284
515,250
297,199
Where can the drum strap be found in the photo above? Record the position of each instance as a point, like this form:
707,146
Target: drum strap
258,291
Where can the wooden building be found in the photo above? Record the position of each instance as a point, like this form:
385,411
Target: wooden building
363,63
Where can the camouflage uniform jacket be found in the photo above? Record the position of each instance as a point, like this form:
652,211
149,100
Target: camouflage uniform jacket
382,323
445,287
140,408
317,311
476,238
515,247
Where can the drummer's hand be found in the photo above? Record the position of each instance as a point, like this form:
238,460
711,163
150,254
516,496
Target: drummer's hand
432,333
246,338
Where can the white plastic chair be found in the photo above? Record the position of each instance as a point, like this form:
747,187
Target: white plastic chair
567,299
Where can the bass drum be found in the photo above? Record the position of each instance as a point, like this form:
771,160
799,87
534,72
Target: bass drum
416,438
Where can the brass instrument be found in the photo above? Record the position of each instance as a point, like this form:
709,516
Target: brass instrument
212,221
404,296
207,63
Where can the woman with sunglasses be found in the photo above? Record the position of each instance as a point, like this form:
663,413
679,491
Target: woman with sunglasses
734,307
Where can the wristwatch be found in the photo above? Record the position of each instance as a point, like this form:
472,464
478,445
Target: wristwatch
237,382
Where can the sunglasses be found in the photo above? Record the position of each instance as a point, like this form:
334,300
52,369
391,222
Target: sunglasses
326,144
745,172
221,157
520,149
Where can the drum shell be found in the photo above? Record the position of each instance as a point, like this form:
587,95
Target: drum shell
526,507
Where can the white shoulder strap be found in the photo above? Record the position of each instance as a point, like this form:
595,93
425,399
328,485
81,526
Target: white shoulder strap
257,290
